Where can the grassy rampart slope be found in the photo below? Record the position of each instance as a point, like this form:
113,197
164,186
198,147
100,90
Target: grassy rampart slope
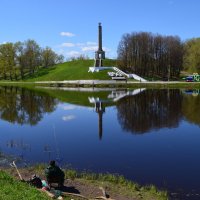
73,70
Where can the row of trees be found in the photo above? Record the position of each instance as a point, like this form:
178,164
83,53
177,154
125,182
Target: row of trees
151,55
191,59
24,58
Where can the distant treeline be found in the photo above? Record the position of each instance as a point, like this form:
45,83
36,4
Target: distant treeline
20,59
154,55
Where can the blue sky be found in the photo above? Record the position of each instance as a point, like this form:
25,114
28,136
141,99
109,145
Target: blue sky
70,26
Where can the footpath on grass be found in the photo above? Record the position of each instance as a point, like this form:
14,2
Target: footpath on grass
107,83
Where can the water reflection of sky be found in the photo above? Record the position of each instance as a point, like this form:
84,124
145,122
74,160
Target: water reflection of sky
167,157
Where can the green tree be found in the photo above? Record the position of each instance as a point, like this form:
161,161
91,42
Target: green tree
20,58
151,55
59,59
192,55
7,60
48,57
32,55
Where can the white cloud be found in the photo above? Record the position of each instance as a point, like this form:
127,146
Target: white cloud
73,53
106,49
89,48
67,44
4,42
60,51
67,34
91,43
79,48
68,117
93,48
70,107
80,44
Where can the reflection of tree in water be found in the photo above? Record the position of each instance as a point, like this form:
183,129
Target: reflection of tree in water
191,108
151,109
24,106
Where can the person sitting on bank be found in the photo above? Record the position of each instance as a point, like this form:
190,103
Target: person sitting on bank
54,174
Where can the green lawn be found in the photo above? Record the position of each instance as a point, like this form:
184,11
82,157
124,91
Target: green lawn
11,189
73,70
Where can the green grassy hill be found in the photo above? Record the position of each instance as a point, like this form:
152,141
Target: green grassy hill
73,70
12,189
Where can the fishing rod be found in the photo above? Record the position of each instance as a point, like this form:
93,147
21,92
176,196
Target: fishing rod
56,145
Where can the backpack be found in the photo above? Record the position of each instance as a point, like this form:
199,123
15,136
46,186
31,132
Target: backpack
35,181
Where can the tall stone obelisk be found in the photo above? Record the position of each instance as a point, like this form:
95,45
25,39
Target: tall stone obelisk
99,54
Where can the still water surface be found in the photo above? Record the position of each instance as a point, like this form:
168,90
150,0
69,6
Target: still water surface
149,136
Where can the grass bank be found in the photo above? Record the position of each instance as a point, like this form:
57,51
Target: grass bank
11,189
106,84
87,183
73,70
77,71
119,185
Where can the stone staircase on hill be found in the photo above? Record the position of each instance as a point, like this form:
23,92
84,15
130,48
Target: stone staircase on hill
135,76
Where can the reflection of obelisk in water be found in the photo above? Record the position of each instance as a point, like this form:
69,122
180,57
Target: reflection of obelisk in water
99,54
100,110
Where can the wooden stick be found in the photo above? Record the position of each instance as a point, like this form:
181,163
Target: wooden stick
105,196
78,195
103,191
49,194
73,194
101,197
13,164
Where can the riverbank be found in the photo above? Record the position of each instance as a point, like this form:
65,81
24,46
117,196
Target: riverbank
86,184
107,83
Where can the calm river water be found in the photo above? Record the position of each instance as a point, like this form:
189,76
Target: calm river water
149,136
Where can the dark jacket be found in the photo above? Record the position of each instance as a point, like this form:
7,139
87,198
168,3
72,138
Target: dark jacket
54,171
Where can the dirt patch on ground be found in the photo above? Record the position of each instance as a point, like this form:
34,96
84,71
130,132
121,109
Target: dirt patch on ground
76,186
